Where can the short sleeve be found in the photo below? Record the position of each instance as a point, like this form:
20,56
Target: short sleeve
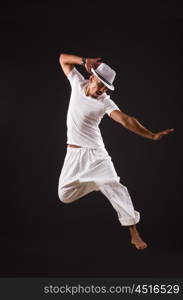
109,106
75,76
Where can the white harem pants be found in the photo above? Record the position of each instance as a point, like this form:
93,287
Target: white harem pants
86,170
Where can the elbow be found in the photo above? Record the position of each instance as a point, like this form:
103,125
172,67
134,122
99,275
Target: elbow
61,58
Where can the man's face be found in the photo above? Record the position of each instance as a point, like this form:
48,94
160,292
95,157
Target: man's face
97,88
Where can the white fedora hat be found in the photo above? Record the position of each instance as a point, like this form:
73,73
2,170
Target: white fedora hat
105,74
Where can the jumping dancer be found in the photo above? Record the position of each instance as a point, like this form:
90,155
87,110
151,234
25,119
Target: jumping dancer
87,166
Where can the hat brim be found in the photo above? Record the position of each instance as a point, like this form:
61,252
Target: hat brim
107,84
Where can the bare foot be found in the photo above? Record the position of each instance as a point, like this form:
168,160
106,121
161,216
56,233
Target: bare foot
136,240
138,243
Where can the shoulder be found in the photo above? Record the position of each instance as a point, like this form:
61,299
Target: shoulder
75,76
106,99
109,104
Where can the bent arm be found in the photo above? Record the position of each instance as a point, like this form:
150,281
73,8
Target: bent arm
68,61
131,123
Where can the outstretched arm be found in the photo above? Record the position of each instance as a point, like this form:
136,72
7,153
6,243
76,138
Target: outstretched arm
134,125
68,61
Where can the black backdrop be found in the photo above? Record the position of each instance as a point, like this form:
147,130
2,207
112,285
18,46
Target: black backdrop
143,42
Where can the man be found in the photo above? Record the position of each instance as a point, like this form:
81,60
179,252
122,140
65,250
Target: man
87,166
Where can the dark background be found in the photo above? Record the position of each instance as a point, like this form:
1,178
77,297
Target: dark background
142,41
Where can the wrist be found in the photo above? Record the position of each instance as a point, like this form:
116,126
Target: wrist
83,61
152,136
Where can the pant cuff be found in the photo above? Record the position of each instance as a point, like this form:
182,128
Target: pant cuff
130,221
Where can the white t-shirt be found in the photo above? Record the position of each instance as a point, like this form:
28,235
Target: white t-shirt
85,113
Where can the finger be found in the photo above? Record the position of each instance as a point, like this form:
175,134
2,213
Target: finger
99,58
88,69
165,132
169,130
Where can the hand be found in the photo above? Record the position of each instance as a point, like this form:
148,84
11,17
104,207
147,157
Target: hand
159,135
92,63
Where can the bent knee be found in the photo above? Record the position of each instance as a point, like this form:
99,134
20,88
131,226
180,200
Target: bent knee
63,198
66,196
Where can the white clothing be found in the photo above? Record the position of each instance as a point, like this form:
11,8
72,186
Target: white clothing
90,167
86,170
85,113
